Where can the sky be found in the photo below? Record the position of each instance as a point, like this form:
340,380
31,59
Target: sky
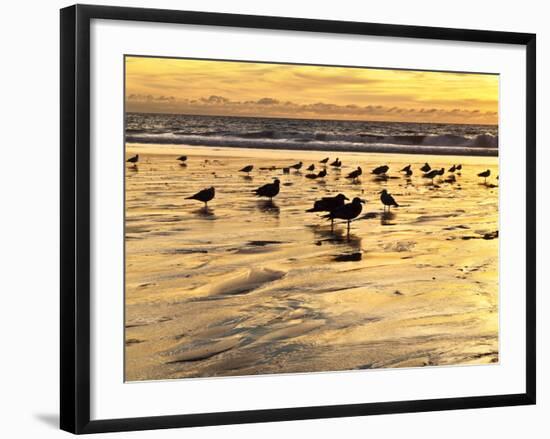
202,87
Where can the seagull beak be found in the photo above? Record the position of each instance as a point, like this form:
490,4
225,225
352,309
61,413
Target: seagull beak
380,192
346,198
364,201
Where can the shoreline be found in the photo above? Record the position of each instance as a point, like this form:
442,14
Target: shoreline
368,149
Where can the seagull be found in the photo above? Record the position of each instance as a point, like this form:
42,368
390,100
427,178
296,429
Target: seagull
484,174
380,170
406,169
321,174
408,172
247,169
426,168
311,167
348,211
336,163
328,204
354,174
434,173
297,166
387,200
269,190
133,159
452,168
182,158
459,168
324,161
205,196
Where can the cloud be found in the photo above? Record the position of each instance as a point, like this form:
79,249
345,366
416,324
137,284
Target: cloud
271,107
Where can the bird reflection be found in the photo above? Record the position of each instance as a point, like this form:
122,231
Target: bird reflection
268,206
386,218
323,234
205,212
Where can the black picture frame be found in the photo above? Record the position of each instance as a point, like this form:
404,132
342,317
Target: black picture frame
75,217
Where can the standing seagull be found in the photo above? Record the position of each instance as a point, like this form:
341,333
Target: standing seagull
426,168
348,211
459,168
484,174
247,169
380,170
452,169
354,174
205,196
406,169
434,173
387,200
328,204
133,159
322,173
269,190
297,166
336,163
324,161
182,158
311,167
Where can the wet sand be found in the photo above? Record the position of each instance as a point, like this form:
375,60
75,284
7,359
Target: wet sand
250,287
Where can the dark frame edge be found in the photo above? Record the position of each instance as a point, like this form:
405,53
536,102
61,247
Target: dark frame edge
303,413
68,388
75,220
531,218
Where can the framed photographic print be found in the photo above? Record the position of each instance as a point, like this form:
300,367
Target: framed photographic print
269,218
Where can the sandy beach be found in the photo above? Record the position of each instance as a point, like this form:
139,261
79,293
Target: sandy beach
250,287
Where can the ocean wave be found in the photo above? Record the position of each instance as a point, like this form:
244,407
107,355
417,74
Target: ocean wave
483,144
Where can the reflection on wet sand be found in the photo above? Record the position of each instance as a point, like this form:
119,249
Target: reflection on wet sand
250,286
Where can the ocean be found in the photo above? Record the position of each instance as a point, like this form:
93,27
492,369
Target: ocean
307,134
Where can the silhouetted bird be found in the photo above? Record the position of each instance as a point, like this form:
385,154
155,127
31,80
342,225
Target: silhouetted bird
247,169
297,166
348,211
426,168
322,173
452,168
313,176
434,173
182,158
381,170
328,204
336,163
269,190
133,159
484,175
459,168
387,200
354,174
324,161
406,169
311,167
408,172
205,196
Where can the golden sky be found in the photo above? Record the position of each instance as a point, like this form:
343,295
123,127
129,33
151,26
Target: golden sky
165,85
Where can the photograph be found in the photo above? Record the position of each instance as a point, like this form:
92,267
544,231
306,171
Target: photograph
300,218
